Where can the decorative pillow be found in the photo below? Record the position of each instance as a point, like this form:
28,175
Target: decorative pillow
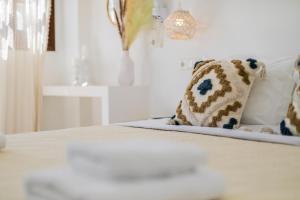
217,93
279,80
291,124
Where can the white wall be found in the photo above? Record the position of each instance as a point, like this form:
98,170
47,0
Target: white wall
78,23
62,112
103,42
85,22
55,67
261,28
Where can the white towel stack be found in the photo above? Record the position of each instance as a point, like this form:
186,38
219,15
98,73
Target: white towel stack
135,159
131,170
2,140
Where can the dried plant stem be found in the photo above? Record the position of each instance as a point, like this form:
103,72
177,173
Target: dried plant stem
118,23
130,17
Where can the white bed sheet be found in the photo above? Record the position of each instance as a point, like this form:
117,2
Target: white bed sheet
161,124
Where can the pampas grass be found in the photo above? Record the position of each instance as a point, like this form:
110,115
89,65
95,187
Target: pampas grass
131,16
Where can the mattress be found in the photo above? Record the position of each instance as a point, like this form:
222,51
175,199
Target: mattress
255,134
252,170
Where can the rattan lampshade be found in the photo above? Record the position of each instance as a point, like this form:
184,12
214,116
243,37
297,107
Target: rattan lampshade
180,25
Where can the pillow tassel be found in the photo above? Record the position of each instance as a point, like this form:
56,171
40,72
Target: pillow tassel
262,72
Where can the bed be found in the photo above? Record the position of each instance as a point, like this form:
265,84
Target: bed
252,170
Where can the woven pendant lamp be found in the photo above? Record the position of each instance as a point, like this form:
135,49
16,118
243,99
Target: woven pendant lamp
180,25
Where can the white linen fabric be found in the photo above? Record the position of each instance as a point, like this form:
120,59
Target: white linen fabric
23,41
269,98
160,124
134,159
64,184
2,141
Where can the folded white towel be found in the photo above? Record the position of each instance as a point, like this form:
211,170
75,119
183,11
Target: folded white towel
65,184
135,158
2,140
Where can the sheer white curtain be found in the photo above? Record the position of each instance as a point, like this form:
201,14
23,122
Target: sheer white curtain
23,41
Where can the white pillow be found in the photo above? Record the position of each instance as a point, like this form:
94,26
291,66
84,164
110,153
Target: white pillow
270,97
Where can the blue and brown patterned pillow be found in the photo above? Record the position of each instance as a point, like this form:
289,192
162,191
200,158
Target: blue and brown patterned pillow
217,93
290,126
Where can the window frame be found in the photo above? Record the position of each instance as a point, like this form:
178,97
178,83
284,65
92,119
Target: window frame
51,36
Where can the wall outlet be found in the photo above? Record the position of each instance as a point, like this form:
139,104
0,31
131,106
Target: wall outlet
188,63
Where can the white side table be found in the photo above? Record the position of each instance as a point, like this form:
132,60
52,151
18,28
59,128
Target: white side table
119,104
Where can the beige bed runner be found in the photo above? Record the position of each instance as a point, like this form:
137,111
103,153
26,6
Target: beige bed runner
253,170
